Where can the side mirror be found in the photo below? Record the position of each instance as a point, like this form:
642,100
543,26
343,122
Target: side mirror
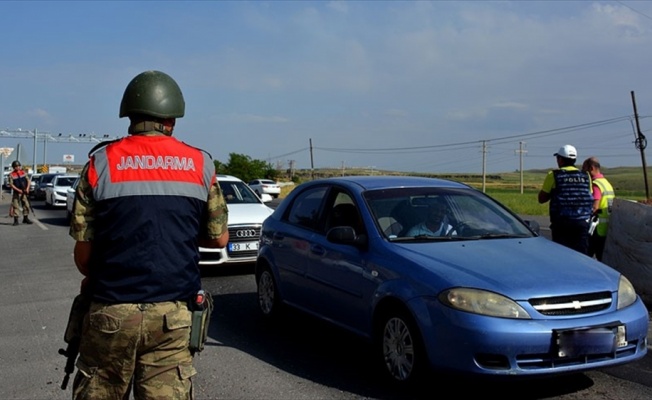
266,197
346,235
534,226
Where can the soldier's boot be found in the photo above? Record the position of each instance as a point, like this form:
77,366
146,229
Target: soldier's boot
25,220
15,221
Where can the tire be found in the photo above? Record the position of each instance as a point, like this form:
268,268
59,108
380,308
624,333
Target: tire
400,348
269,302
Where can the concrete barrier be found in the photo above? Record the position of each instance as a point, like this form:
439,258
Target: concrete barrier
628,248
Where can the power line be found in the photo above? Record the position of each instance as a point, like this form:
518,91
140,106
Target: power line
633,9
544,133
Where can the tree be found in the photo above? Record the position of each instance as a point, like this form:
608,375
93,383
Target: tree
244,167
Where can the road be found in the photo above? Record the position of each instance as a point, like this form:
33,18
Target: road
244,358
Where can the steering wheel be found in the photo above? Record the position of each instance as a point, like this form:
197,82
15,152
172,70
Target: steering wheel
458,228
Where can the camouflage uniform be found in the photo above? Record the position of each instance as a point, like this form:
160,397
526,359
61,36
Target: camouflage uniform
19,200
144,346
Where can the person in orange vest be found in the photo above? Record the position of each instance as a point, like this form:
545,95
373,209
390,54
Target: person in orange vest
603,198
19,183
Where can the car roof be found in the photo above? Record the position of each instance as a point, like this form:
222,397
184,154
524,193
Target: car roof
228,178
66,176
386,182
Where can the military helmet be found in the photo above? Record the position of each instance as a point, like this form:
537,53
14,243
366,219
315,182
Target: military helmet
153,93
15,164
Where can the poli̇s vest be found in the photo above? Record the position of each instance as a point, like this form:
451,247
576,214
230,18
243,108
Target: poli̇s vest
571,197
150,194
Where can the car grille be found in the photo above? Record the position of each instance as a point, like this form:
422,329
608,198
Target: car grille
572,305
244,233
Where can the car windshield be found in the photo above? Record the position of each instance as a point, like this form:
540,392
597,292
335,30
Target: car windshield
237,192
441,214
65,181
47,178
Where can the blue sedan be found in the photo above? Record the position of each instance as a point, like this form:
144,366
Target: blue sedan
439,276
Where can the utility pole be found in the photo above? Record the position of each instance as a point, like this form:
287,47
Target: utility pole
484,165
312,164
520,158
641,144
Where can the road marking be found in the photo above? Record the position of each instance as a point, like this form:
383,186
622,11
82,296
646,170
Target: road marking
40,225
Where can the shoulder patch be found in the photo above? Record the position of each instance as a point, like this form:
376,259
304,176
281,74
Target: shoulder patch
100,145
202,150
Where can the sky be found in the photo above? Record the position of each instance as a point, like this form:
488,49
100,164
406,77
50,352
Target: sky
414,86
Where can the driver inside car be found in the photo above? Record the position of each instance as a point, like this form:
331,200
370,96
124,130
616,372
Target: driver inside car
435,223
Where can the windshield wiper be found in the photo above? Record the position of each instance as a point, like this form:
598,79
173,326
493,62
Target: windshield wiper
419,238
498,236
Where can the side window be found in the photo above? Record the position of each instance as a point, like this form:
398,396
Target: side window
305,209
344,213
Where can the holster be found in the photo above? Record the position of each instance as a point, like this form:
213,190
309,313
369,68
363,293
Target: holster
201,307
80,306
78,310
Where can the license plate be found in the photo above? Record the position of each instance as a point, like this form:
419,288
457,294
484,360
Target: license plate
243,246
583,342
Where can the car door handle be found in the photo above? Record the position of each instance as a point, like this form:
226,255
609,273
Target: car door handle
318,250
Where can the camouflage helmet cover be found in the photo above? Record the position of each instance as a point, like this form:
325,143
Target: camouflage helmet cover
153,93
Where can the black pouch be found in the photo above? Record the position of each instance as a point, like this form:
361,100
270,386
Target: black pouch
202,308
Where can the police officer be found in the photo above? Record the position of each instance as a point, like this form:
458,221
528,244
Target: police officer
603,198
143,205
569,191
19,183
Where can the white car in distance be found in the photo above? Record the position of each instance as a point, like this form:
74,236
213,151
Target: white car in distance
56,192
247,211
70,198
265,186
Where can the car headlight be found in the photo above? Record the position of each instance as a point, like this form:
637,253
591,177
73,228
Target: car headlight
626,293
482,302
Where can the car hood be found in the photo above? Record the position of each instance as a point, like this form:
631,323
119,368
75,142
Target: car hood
243,214
518,268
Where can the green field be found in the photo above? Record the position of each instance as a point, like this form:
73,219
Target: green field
628,183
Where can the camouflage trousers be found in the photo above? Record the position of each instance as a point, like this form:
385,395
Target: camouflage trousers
143,347
19,201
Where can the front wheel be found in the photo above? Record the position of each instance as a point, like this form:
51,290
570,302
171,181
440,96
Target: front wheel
400,347
269,301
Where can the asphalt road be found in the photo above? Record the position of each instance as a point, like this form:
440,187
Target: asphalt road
244,358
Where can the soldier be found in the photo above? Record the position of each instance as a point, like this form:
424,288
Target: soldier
19,183
143,205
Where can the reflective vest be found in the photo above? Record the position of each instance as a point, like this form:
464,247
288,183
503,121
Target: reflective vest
19,179
571,197
606,201
150,197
